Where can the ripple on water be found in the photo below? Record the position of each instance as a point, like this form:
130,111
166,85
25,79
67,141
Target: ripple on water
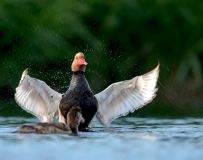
127,138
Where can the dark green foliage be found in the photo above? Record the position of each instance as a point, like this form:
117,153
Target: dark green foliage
121,39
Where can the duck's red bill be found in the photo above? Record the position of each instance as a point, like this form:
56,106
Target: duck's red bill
82,62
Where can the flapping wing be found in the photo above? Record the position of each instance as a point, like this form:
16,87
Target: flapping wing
126,96
37,98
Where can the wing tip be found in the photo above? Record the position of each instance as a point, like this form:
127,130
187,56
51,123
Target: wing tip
157,68
155,71
24,74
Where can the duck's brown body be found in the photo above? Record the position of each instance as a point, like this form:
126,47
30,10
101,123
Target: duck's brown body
44,128
79,94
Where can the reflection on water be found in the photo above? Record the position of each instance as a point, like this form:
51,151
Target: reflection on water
128,138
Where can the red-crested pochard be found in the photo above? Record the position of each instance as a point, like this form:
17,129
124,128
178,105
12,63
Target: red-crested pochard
117,100
78,93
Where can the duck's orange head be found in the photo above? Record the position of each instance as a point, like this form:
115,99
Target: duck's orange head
79,63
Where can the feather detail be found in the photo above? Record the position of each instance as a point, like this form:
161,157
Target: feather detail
126,96
37,98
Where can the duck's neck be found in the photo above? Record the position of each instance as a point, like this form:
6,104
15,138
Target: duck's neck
79,72
78,80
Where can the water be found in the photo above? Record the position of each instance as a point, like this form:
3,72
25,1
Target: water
128,138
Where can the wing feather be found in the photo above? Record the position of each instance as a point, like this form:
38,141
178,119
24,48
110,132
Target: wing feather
126,96
37,98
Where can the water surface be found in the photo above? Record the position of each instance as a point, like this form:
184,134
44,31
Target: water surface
127,138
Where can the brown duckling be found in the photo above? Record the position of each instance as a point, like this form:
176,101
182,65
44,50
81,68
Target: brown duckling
74,118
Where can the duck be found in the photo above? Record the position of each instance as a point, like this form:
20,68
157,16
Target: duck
79,93
74,118
117,100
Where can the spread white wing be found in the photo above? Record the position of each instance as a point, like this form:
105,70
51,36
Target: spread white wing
37,98
126,96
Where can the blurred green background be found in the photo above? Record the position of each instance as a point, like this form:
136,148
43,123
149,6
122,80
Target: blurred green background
121,39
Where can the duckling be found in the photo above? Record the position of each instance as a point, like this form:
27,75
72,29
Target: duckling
74,118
